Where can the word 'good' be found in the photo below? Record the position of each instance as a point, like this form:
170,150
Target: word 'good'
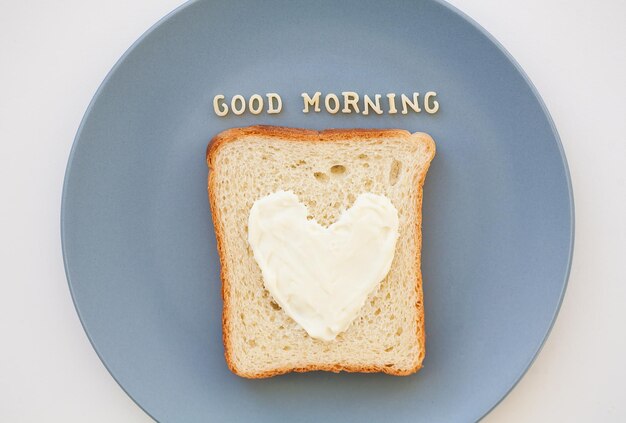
255,104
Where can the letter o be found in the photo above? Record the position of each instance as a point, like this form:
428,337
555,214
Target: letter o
242,104
259,107
327,99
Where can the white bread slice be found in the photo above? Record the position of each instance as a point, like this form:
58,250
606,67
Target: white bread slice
327,170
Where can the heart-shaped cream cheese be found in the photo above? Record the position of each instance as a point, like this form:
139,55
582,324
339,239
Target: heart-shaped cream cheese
321,277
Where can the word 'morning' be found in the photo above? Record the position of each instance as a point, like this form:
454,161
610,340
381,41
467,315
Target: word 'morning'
347,102
350,102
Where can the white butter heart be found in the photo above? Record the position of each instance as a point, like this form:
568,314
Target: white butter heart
322,276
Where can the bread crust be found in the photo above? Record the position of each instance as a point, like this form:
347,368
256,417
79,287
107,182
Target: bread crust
297,134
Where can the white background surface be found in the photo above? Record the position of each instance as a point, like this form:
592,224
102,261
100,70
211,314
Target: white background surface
53,56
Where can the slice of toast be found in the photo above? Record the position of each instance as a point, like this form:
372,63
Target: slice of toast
327,170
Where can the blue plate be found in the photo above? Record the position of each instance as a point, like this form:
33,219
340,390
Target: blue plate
139,246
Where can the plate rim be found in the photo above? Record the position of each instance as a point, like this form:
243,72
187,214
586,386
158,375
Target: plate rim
570,192
451,8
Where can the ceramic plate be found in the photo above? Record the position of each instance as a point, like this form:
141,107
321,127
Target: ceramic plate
138,241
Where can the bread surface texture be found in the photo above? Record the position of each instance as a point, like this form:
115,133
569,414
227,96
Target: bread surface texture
327,170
